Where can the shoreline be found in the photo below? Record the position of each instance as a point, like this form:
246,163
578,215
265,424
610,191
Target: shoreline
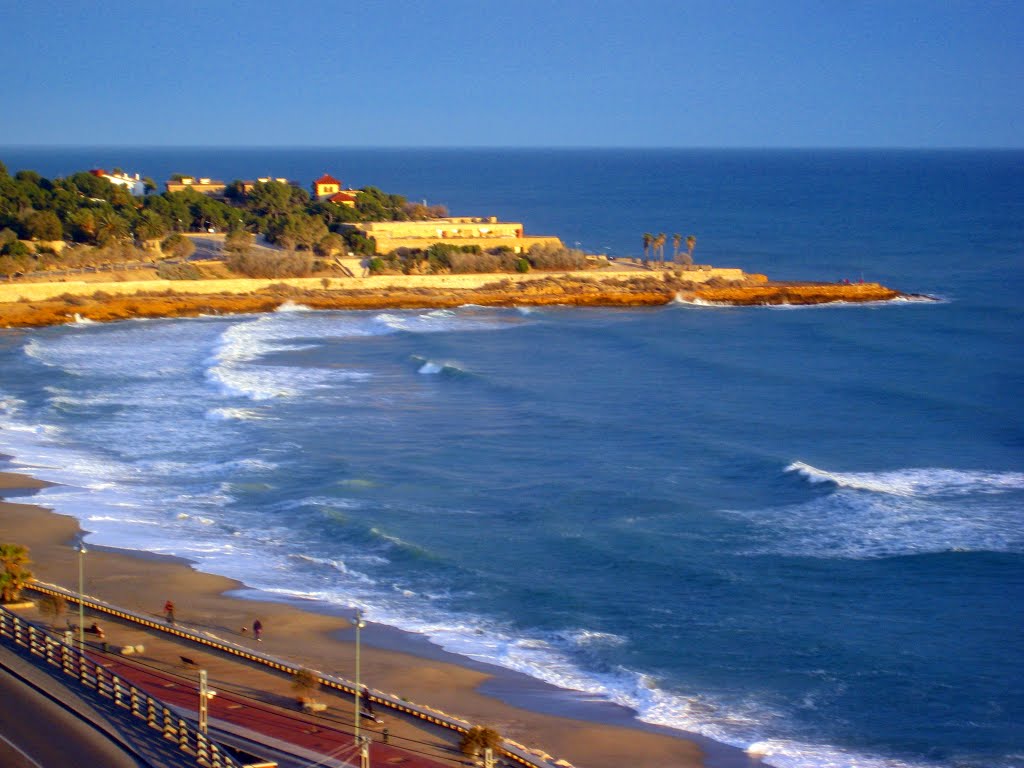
588,733
26,305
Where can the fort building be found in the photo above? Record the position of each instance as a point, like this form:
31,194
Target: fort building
487,232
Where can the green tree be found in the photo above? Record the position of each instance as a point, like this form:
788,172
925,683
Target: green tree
150,226
329,244
83,225
275,198
30,177
43,225
14,572
360,244
111,228
648,239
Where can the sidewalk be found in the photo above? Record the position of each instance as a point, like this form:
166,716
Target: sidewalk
314,737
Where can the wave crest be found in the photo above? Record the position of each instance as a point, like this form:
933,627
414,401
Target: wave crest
916,482
890,514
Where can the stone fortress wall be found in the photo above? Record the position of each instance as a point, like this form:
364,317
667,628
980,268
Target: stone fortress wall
12,292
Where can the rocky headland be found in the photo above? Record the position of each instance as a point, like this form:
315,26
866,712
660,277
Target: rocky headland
40,304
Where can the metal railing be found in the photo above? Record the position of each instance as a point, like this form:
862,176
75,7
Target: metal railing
136,703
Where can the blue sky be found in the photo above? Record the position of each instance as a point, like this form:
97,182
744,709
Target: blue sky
533,73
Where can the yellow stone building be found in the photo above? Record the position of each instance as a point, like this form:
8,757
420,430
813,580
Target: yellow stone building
487,232
203,185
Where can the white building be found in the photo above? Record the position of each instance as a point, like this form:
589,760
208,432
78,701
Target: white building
134,184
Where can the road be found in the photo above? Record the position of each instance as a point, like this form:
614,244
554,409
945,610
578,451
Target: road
45,725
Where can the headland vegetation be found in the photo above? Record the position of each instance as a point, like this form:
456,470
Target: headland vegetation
107,246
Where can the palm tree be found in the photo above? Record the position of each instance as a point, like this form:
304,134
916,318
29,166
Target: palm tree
648,239
677,239
15,575
660,245
691,243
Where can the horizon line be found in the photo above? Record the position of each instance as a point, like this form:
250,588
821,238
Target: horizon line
538,147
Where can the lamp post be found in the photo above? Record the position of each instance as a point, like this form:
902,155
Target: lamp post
205,694
81,594
359,624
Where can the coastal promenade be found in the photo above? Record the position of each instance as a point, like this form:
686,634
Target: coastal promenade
314,734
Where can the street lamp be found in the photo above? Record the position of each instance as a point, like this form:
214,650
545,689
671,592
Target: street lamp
359,624
81,594
205,694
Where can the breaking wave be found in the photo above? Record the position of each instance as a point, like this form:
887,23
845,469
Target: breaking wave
897,513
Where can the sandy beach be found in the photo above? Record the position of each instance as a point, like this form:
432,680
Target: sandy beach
607,736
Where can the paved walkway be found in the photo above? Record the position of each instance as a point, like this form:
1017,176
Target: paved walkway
317,740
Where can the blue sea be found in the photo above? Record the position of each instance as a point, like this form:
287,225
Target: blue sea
799,531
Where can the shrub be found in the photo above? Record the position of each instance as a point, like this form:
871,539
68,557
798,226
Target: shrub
463,263
305,682
52,606
15,248
177,246
551,256
238,241
522,265
272,264
179,271
72,300
479,738
14,265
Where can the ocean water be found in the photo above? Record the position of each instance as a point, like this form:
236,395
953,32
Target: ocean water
799,531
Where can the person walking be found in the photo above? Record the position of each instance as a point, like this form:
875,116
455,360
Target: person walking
257,630
169,611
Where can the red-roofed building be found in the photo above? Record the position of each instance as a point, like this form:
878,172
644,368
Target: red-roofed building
343,198
326,186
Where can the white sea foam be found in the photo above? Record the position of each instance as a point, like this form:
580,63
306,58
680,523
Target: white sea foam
896,513
467,318
336,564
234,414
785,307
237,367
678,299
291,306
916,482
